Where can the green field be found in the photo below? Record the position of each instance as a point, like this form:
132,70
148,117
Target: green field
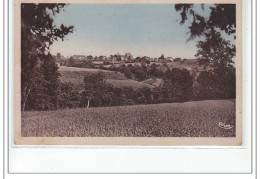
190,119
76,75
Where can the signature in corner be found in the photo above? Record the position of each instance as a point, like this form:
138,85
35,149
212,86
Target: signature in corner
224,126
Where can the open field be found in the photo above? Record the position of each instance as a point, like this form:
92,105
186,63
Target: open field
76,75
190,119
156,82
149,83
128,83
75,69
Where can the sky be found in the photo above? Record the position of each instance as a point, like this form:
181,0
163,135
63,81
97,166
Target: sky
141,29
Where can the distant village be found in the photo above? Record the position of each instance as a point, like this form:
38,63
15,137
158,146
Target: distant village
112,60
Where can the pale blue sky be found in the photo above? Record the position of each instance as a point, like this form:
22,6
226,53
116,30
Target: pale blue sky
141,29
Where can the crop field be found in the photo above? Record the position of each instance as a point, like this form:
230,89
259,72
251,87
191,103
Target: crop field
190,119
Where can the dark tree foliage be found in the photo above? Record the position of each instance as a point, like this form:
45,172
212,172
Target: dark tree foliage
222,16
140,74
49,70
161,57
42,85
33,92
212,86
219,80
68,96
95,87
128,73
214,49
38,33
179,85
144,95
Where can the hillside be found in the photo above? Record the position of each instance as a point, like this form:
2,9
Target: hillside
76,75
155,82
190,119
117,79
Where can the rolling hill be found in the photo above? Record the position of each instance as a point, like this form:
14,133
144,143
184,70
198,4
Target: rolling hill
76,75
117,79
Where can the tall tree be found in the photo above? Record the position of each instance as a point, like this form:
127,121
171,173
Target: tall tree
219,82
38,32
214,49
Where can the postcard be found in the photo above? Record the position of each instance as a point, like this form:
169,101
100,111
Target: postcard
137,73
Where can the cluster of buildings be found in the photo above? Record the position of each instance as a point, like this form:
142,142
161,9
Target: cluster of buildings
112,59
77,59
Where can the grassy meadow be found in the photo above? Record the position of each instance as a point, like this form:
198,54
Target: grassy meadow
76,76
189,119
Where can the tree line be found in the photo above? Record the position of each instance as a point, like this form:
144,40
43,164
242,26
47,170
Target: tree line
178,86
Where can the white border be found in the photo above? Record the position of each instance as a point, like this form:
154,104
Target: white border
128,159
